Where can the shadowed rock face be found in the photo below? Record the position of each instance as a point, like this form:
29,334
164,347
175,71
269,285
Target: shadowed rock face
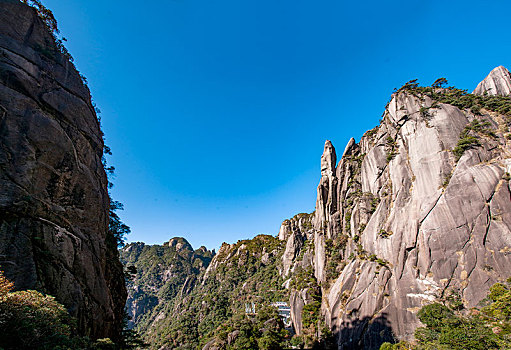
417,224
53,188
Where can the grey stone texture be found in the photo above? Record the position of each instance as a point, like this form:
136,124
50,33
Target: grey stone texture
418,223
53,189
498,82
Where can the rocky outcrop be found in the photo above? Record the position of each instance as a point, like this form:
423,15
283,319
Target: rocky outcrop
295,232
498,82
54,202
414,212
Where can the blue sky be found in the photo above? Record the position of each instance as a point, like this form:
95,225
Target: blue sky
217,111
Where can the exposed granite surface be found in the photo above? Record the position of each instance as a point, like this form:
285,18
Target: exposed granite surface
414,222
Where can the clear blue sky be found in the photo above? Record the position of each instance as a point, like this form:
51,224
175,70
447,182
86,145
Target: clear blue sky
217,111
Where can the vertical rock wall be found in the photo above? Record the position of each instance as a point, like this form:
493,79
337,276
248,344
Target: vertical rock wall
408,222
53,188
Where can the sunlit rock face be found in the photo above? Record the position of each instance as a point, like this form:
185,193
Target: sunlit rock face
53,188
415,222
498,82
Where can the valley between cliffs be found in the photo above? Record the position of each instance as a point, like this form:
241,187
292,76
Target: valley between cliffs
419,210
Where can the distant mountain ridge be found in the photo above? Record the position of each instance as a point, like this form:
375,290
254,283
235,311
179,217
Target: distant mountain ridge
203,302
163,272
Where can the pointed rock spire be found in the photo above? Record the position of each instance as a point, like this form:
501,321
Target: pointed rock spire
328,160
349,147
498,82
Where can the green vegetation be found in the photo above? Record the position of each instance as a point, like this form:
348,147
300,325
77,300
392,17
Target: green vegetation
303,278
44,13
347,219
306,219
361,253
440,83
469,136
117,230
447,179
32,320
310,313
311,318
262,331
391,146
160,273
244,278
335,247
354,190
447,328
371,133
308,246
380,261
384,234
373,202
334,250
465,143
201,308
459,98
29,319
357,159
49,20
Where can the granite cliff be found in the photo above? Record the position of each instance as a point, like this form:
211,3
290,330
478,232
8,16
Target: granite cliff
54,202
417,211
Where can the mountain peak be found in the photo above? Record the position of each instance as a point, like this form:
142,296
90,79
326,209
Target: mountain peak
498,82
328,159
180,244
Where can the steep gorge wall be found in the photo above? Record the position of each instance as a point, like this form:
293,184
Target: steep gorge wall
53,189
401,222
